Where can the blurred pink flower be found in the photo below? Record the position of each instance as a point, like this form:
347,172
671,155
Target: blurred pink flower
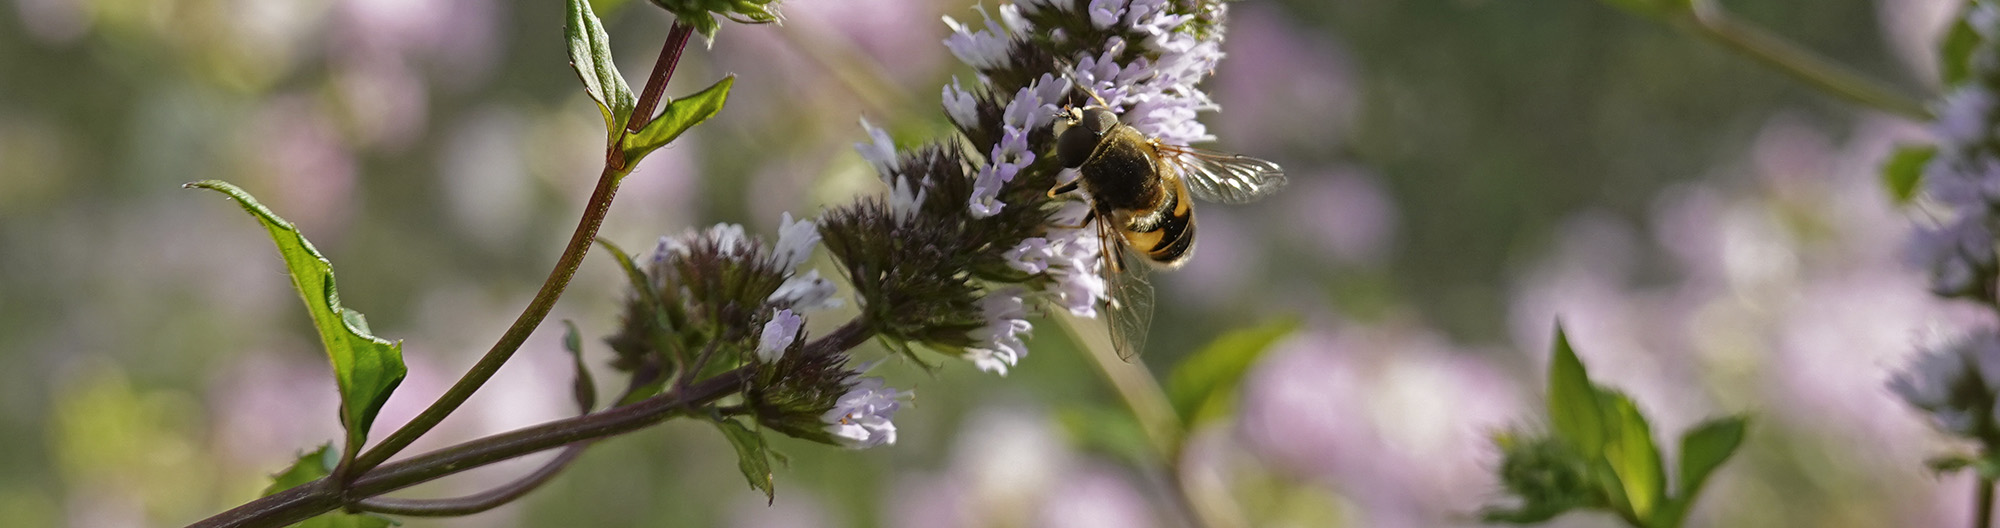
1095,496
292,141
482,171
798,508
1283,85
1344,215
899,36
54,22
1392,415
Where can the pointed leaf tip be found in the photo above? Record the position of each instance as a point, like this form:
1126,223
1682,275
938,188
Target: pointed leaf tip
590,56
1573,407
366,368
678,116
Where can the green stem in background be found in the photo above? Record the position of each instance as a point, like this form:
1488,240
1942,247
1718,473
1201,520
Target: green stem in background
1982,517
552,288
324,495
1208,506
1710,20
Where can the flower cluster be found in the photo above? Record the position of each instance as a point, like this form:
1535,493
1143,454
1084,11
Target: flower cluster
957,252
1955,383
955,228
693,308
1964,176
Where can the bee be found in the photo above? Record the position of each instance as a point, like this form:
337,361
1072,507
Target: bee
1139,191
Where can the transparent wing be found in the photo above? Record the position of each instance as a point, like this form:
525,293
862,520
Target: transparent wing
1223,177
1129,310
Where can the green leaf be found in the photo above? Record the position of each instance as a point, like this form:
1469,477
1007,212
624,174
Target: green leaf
314,466
1109,431
1905,169
366,368
1633,458
590,56
1204,386
584,387
1573,407
753,456
678,116
1705,448
1956,48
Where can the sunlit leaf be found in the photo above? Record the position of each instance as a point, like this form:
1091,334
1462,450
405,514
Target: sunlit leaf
1573,406
1706,448
1109,431
678,116
753,456
366,368
1905,169
1630,451
314,466
590,56
1203,387
584,388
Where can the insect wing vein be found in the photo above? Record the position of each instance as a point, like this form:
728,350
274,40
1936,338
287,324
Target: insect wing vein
1223,177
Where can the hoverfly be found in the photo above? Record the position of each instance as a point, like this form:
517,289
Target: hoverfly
1139,191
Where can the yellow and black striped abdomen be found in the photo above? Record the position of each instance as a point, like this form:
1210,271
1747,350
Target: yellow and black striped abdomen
1165,234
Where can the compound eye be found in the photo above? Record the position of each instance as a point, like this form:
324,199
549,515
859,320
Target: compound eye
1075,145
1099,120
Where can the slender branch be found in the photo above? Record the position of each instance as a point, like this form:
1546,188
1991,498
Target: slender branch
492,498
1983,516
478,502
320,496
552,288
1711,20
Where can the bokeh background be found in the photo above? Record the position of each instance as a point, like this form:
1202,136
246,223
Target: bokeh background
1464,173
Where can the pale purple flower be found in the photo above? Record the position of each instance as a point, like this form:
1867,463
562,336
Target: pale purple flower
1024,113
960,105
796,241
779,334
1966,115
806,291
984,49
904,202
880,151
728,237
1955,382
997,345
1955,253
862,418
986,185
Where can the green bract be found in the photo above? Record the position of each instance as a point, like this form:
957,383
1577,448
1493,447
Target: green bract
701,13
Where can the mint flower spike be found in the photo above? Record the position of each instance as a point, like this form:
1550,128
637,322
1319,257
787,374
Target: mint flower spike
1963,177
1955,383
